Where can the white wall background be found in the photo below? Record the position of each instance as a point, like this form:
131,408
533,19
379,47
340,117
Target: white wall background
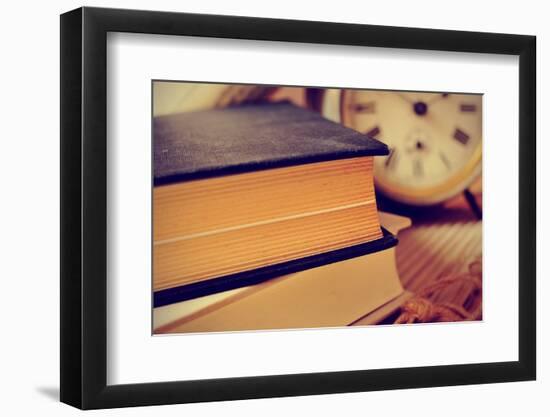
29,226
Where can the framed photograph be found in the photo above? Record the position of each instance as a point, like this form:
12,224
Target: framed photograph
259,208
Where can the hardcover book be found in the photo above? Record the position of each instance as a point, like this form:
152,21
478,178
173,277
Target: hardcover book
248,193
364,290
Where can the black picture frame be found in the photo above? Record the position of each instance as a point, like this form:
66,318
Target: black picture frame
84,207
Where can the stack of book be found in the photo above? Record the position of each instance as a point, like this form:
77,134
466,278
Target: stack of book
265,217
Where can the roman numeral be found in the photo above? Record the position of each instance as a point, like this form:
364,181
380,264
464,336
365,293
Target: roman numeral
373,132
468,108
445,160
369,107
461,137
391,160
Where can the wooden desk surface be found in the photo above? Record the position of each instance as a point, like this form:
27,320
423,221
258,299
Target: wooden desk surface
437,245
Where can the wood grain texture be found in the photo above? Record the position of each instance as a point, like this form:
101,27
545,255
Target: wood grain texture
438,245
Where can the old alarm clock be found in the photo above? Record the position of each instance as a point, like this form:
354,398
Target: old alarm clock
435,139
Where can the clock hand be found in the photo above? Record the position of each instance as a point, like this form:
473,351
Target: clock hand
407,99
421,107
436,99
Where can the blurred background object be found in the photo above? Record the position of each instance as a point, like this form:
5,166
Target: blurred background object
178,97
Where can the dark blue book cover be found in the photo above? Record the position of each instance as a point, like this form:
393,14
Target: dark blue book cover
249,138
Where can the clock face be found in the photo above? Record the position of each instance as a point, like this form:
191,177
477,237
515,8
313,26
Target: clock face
434,140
